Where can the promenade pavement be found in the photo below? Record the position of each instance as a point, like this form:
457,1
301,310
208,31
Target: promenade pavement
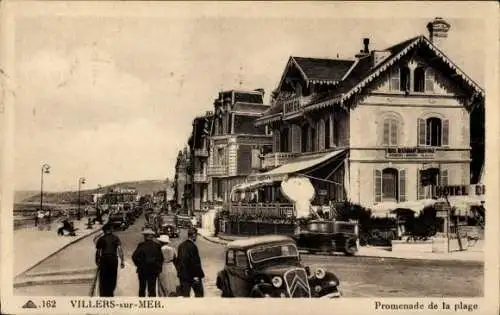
472,254
31,245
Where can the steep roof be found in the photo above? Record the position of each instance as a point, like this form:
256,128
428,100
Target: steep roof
319,70
250,108
361,73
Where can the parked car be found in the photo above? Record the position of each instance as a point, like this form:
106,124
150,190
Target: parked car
166,224
118,220
270,266
327,236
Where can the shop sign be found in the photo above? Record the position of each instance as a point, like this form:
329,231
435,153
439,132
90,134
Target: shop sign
410,153
460,190
441,214
322,192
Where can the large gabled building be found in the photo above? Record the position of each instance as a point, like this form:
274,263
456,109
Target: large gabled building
363,129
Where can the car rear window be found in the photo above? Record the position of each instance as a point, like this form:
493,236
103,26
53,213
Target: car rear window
263,253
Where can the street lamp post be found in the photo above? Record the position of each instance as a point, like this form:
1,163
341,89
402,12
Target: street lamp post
98,207
81,181
44,170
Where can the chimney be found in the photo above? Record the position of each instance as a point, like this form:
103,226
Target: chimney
365,51
438,30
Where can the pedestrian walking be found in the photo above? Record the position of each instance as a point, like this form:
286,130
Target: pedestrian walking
41,222
167,280
189,266
108,248
148,259
47,219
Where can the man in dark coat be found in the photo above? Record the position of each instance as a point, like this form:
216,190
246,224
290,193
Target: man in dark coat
189,267
148,259
108,247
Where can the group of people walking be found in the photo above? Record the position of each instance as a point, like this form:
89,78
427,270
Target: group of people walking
161,269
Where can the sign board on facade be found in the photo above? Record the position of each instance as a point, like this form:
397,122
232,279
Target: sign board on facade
322,192
441,214
410,153
461,190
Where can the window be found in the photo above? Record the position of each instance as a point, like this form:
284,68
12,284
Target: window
433,132
276,138
394,83
284,140
241,259
304,136
391,131
327,134
429,80
390,185
404,79
220,156
313,140
419,79
442,180
230,257
220,124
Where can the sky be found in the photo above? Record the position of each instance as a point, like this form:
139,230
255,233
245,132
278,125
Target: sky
112,98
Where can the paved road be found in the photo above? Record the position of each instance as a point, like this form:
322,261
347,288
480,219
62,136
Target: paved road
360,276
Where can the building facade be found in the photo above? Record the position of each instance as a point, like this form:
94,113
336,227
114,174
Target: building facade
182,184
362,129
199,147
235,143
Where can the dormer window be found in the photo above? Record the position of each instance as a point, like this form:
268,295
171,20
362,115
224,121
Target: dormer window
404,79
419,79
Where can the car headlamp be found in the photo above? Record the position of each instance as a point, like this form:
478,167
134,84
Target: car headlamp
333,283
320,273
277,282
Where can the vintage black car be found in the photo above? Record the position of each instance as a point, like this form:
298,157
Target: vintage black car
270,266
118,220
166,224
327,236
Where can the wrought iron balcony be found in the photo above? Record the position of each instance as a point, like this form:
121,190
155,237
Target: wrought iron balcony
217,170
201,152
294,104
275,159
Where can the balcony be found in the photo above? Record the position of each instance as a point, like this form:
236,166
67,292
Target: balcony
201,152
294,104
217,170
275,159
200,178
282,210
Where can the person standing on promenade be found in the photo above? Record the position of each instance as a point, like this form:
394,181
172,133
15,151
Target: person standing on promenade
41,223
106,257
167,280
148,259
189,266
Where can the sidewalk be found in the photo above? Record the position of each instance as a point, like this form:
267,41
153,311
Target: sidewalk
371,251
32,246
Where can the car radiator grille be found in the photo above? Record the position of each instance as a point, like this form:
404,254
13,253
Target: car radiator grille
297,283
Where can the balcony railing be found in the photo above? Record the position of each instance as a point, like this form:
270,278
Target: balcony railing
294,104
275,159
201,152
217,170
267,209
200,178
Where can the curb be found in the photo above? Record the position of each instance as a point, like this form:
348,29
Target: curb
77,239
54,281
222,241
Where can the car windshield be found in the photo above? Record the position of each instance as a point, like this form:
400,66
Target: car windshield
263,253
167,220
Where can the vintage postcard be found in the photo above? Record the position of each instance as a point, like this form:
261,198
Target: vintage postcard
185,158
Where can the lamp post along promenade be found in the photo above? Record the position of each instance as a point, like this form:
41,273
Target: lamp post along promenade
81,181
45,169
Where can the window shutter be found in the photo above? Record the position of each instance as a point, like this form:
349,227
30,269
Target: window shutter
394,132
429,80
377,176
420,187
445,132
402,185
276,141
443,176
386,134
321,131
395,81
421,131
